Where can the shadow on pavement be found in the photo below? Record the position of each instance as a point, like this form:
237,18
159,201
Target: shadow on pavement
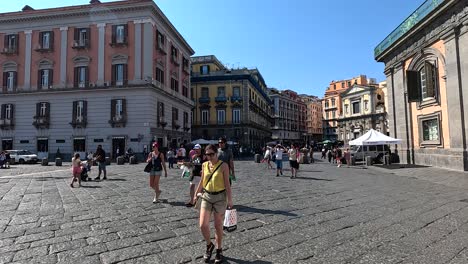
400,166
90,186
309,170
233,260
247,209
174,203
116,179
312,178
49,178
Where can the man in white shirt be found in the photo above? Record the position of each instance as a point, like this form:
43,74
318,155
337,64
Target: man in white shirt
293,155
279,159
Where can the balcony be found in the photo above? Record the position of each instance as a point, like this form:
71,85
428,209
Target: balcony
204,100
6,124
221,99
118,44
43,49
175,124
41,122
186,128
118,121
79,122
161,48
162,122
80,44
174,60
235,99
9,51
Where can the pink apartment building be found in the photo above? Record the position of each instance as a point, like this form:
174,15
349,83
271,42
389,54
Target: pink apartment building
115,74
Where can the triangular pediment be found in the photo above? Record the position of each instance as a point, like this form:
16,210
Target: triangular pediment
356,89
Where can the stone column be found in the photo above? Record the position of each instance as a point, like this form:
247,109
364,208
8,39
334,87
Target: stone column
27,60
101,46
63,56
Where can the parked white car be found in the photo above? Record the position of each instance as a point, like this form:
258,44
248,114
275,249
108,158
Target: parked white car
375,152
23,156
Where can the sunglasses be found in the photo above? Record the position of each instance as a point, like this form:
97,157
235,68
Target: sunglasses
210,154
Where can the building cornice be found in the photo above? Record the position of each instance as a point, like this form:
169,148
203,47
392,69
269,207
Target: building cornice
91,13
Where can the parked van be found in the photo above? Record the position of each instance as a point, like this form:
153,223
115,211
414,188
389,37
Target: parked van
376,152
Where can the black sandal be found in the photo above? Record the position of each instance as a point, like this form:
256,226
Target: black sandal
209,252
219,256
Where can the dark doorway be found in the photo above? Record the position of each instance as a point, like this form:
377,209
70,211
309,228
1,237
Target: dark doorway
118,147
42,148
79,146
7,144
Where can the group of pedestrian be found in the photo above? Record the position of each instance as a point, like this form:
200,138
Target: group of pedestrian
4,160
78,166
335,156
210,181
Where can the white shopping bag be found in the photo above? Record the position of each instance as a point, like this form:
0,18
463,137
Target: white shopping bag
230,220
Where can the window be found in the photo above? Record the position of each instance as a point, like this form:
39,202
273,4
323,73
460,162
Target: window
159,75
79,112
11,43
356,108
119,35
423,83
119,74
81,77
118,110
161,41
430,129
205,117
205,92
7,112
45,79
186,120
236,91
161,120
236,116
174,55
221,116
10,80
221,92
184,91
205,69
185,64
46,40
81,38
174,85
333,102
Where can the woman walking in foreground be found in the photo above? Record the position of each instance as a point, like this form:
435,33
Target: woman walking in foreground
215,191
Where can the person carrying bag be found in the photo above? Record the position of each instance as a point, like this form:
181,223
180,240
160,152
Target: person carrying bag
213,197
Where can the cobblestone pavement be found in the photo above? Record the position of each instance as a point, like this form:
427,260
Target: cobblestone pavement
325,215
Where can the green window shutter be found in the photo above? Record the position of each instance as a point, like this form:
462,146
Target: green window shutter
75,105
413,85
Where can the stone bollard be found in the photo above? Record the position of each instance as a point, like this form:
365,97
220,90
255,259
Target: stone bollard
387,160
132,160
120,160
368,161
58,162
353,161
45,162
257,158
108,161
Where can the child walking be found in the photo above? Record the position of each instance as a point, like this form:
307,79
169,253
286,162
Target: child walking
76,169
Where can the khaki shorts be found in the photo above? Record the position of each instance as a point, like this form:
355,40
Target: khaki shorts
217,202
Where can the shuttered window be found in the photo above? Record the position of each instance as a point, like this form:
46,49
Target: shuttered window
422,84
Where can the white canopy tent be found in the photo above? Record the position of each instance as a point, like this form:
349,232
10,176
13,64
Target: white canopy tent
373,137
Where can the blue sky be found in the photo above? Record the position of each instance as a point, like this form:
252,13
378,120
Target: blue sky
300,45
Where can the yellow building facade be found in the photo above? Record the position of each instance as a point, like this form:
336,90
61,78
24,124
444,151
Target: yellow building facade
231,103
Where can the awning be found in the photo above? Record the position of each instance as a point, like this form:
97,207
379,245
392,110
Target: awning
118,137
43,138
79,138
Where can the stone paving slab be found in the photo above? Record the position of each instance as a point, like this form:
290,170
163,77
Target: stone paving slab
325,215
